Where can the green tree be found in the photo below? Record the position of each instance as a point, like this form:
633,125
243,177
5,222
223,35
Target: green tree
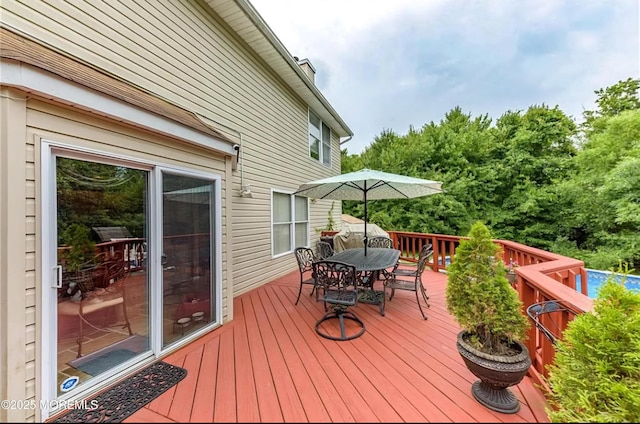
612,101
533,177
602,198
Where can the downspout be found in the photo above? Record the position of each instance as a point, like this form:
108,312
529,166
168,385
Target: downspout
245,190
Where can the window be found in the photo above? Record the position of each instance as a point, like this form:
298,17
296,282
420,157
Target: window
319,139
290,222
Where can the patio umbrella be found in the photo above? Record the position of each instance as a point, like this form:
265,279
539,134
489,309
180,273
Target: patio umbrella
368,184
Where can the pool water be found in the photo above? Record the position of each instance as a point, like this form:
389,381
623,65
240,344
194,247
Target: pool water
596,278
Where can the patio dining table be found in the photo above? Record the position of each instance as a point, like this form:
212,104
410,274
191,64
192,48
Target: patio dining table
368,266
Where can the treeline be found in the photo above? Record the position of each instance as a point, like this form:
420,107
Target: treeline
536,177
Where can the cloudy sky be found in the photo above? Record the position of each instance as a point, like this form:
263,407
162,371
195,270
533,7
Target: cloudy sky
394,64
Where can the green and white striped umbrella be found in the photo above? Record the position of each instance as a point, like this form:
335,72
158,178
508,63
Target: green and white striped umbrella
368,184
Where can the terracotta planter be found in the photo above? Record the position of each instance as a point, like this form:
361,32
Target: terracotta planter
496,374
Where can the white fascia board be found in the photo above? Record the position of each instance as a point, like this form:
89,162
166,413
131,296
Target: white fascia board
48,85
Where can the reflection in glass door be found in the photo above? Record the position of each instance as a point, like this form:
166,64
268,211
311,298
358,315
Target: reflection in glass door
187,223
103,302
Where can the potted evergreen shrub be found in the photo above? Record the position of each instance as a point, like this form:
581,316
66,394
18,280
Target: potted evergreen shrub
492,320
595,376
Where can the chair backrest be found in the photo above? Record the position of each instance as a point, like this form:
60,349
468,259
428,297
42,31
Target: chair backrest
305,258
549,315
380,241
426,251
325,250
334,275
423,259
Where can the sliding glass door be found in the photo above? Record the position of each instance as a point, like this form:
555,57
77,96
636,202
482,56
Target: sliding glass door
102,304
132,264
187,220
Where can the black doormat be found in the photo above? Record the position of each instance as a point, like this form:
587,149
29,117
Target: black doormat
122,400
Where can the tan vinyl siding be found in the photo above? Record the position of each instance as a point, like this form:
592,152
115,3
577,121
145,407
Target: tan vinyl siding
182,52
61,124
17,269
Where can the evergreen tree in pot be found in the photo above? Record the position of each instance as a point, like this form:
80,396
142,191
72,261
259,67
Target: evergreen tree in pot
491,316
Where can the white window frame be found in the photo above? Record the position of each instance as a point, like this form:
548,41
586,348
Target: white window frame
322,136
292,222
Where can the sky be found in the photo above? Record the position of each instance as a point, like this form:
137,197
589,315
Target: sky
397,64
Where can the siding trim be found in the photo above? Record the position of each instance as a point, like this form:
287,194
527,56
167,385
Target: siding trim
15,316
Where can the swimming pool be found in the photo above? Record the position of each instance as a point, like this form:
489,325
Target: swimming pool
595,278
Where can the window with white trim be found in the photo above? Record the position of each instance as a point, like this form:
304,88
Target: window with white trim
290,222
319,139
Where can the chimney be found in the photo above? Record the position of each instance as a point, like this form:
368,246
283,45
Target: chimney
308,69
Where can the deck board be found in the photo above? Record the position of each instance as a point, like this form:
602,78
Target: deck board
265,390
205,393
225,402
269,365
183,397
247,402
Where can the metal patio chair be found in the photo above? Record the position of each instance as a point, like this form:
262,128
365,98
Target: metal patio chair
551,316
383,242
95,305
410,279
338,280
325,250
305,258
380,241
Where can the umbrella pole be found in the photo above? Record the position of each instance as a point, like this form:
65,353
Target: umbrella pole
366,241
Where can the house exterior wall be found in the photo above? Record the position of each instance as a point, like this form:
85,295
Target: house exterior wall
32,121
179,51
182,52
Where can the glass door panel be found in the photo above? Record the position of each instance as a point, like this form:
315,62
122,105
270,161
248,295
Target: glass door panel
187,222
103,303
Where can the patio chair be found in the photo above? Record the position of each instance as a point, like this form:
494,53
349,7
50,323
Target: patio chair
101,289
551,316
305,258
380,241
338,280
385,243
410,279
325,250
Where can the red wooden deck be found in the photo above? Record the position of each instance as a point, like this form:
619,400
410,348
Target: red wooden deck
269,365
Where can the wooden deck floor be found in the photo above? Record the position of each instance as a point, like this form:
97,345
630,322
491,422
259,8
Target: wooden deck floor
269,365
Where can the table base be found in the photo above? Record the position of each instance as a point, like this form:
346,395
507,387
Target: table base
372,297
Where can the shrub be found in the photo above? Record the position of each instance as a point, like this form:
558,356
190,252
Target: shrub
596,374
480,297
82,249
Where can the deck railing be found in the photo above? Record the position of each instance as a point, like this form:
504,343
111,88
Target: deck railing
541,276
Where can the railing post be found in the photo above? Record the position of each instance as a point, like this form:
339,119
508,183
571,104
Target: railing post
436,254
